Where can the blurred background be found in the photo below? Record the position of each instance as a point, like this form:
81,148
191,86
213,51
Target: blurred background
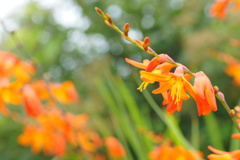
69,41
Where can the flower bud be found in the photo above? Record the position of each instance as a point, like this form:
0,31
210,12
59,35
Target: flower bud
126,29
109,18
146,43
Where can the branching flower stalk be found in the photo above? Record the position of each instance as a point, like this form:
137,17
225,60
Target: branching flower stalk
124,33
174,93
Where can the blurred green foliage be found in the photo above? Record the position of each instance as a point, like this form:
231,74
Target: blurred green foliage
70,41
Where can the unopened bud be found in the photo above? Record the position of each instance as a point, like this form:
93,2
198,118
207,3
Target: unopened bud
221,95
126,29
232,113
146,43
109,18
216,89
99,11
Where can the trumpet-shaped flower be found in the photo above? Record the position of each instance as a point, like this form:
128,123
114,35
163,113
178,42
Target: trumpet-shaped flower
223,155
205,96
152,66
173,86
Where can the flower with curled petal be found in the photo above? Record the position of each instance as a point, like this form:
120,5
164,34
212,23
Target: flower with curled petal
173,86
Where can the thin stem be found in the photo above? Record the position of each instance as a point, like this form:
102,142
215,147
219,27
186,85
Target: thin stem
113,26
227,108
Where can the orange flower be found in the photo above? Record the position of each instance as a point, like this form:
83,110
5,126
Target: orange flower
218,9
236,135
64,92
3,109
223,155
9,92
205,96
42,138
237,4
166,152
31,101
173,87
10,65
89,141
114,147
52,131
152,66
233,70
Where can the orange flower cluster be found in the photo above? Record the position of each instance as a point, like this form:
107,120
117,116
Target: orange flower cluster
48,129
174,84
16,88
166,152
53,130
19,72
219,8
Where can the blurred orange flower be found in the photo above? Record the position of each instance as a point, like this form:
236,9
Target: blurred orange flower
236,135
114,147
233,70
52,128
10,65
223,155
64,92
233,65
218,9
41,138
31,102
166,152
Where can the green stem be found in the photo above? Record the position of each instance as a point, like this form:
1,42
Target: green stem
227,108
133,41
